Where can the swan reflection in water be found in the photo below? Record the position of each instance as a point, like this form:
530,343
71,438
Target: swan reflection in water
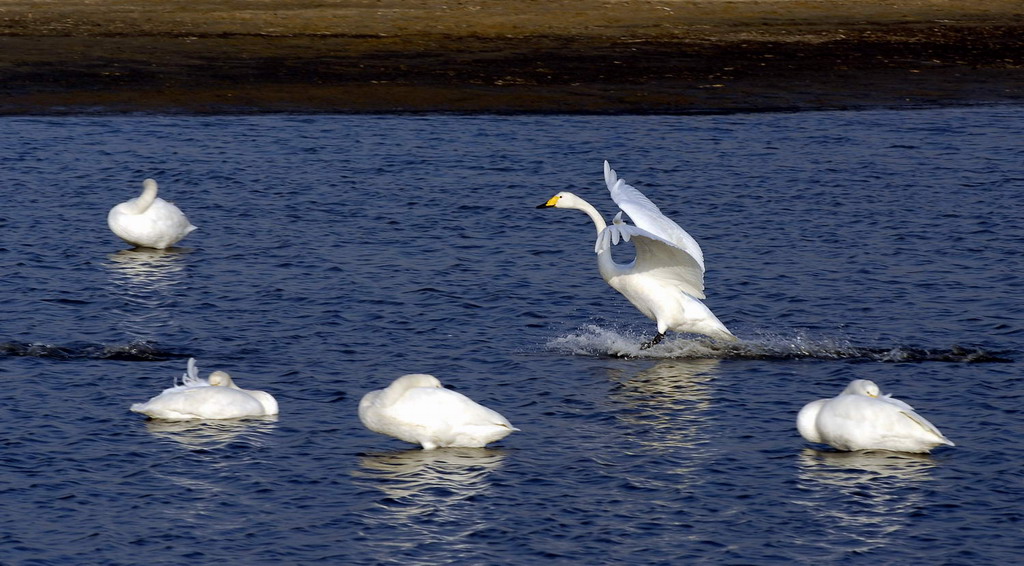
663,416
148,268
143,279
196,485
867,496
666,404
429,496
212,435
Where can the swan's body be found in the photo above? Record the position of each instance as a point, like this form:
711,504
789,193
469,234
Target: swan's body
860,418
665,281
149,221
417,409
215,398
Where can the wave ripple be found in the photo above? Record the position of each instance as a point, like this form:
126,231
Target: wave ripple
131,352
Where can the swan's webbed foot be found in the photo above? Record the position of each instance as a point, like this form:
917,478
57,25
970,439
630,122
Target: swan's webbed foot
653,341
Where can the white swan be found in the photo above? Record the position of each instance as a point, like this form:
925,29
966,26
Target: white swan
417,409
860,418
149,221
666,280
215,398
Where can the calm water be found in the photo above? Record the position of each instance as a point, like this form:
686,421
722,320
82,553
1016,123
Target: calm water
335,253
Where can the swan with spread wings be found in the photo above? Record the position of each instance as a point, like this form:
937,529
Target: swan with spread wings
665,281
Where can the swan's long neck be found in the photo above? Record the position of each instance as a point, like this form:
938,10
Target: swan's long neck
147,197
605,264
592,212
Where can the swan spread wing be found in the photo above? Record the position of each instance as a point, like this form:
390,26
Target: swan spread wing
657,257
647,216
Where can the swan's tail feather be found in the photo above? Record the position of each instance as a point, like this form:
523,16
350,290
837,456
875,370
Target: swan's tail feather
725,336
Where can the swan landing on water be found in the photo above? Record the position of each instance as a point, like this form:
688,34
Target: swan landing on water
666,280
149,221
417,409
861,418
214,398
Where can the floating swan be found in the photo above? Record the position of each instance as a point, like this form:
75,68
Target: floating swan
860,418
149,221
666,280
417,409
215,398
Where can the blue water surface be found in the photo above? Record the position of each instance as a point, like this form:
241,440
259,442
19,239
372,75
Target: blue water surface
335,253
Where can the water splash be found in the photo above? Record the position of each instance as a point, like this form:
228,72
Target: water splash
593,340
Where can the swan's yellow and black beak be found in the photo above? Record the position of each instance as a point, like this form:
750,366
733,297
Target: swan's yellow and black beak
550,203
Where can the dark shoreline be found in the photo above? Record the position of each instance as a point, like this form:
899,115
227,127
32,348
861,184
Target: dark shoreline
87,68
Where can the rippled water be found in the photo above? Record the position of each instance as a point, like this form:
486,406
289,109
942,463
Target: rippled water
335,253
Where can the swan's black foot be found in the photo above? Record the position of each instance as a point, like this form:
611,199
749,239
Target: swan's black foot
653,341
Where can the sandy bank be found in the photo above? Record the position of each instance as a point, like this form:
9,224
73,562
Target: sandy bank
491,55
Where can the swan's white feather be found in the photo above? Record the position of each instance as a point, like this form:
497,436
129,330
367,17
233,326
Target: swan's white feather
416,409
647,216
149,221
665,281
860,418
217,397
656,257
